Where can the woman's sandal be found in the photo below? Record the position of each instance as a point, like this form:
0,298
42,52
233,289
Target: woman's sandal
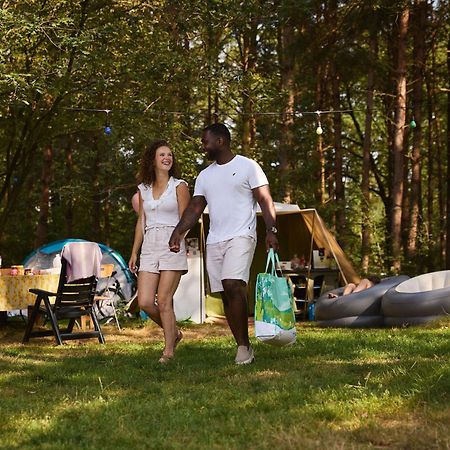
165,358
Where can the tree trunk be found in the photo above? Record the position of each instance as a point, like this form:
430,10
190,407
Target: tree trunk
341,228
398,143
419,57
96,196
69,201
107,221
248,49
365,182
286,57
430,168
318,155
42,226
447,260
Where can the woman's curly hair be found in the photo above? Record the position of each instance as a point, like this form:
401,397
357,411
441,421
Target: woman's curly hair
146,173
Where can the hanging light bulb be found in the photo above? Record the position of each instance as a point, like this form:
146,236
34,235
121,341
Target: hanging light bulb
413,124
107,129
319,129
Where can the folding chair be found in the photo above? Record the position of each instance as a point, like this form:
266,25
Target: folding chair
74,297
105,302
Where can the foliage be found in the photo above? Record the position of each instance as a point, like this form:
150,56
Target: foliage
166,69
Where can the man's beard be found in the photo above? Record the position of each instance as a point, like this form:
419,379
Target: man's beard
211,155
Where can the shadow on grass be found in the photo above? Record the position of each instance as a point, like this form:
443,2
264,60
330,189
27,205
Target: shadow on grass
333,388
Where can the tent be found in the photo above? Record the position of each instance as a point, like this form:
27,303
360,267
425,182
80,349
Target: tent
300,231
42,258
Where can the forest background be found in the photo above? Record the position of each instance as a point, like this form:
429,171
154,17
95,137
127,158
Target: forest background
346,105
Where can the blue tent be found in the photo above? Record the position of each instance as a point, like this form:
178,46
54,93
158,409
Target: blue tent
42,258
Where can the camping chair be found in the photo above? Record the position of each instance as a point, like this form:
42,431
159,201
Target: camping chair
105,301
74,297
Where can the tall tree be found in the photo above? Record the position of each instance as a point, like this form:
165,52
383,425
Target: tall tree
367,145
419,55
286,56
398,141
448,156
42,225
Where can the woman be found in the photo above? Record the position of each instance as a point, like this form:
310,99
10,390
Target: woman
162,199
352,288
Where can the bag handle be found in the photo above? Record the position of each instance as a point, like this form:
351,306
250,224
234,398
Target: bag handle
272,257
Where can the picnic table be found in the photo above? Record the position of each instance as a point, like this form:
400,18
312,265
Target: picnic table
14,289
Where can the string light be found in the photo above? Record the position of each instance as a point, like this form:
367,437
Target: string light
319,129
204,111
413,123
107,128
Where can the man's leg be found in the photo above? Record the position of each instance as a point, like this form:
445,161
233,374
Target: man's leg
234,297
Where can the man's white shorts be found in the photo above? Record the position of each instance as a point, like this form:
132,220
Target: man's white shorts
229,260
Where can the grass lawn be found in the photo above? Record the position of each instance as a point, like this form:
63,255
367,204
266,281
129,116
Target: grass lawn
334,389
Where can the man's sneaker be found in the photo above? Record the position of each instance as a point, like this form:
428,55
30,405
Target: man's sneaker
244,355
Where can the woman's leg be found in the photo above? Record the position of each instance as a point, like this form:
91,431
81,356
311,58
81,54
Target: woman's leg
147,287
168,283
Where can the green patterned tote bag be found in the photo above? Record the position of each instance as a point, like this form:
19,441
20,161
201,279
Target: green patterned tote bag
274,312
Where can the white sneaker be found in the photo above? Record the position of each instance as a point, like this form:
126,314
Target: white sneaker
244,355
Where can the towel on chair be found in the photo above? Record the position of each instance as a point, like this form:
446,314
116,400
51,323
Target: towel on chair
83,260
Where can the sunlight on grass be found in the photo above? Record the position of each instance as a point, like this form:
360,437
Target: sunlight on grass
334,388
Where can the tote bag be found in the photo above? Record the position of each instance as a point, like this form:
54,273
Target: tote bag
274,312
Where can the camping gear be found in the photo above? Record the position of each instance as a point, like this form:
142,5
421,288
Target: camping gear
300,232
274,313
42,259
73,299
418,300
356,310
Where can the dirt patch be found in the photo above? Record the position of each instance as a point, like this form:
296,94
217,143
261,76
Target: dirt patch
133,332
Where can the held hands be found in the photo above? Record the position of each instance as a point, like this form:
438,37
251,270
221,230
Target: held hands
174,241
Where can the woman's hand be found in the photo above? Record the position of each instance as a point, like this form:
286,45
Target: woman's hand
132,263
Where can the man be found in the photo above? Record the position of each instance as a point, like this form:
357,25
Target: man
230,186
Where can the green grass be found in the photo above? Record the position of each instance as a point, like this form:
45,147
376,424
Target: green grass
335,389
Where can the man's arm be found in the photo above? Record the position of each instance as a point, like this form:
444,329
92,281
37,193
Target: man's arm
263,197
189,218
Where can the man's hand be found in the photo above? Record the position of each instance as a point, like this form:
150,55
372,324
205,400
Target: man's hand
271,241
175,241
189,218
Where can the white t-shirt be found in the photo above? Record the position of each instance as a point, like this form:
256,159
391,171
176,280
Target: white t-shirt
164,210
227,189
